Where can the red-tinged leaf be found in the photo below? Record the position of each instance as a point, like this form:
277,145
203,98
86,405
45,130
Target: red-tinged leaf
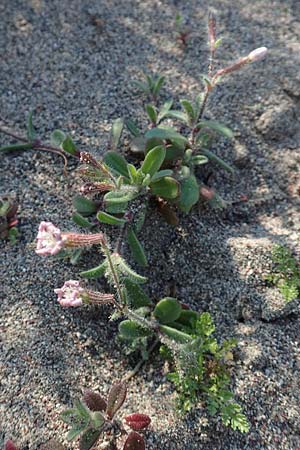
9,445
94,401
137,421
134,442
116,398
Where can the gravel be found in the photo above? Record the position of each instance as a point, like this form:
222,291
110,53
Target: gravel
72,62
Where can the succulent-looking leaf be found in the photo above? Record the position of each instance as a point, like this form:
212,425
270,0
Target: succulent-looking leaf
167,310
167,133
138,421
111,220
166,187
199,159
132,128
130,330
119,197
116,131
161,174
212,157
84,206
117,208
89,438
153,160
57,138
189,193
116,398
135,294
132,172
152,113
94,401
116,162
176,335
31,134
136,248
69,146
9,445
134,441
81,221
96,272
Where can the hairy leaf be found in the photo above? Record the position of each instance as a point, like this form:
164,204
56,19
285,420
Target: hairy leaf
136,295
116,398
81,221
111,220
134,441
167,310
89,438
84,206
96,272
116,131
130,330
166,187
116,162
176,335
136,248
153,160
138,421
94,401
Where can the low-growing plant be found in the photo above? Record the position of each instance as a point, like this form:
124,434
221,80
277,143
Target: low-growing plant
95,417
182,31
286,273
117,192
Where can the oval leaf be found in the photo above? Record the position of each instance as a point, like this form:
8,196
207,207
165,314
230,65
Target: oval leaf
84,206
116,162
69,147
88,439
94,401
130,330
153,160
116,398
189,193
81,221
166,187
111,220
167,310
57,137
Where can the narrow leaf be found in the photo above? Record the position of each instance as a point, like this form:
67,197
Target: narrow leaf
119,197
136,248
69,146
158,85
180,115
164,110
73,433
96,272
128,272
216,126
212,157
153,160
178,336
81,221
116,398
187,106
116,131
132,128
152,113
136,295
161,174
111,220
189,195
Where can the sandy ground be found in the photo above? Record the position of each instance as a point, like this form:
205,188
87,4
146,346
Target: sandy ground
75,73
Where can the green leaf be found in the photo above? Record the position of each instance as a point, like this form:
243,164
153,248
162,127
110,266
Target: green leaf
215,126
136,295
138,145
73,433
117,208
212,157
174,152
97,419
57,138
69,146
153,160
167,133
116,131
189,193
84,206
68,416
132,172
141,86
96,272
75,256
167,310
111,220
161,174
199,159
187,106
132,128
176,335
166,187
12,147
131,330
158,85
82,410
116,162
119,197
136,248
180,115
31,134
126,270
164,110
187,317
89,438
152,113
81,221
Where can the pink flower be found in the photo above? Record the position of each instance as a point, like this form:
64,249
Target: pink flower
49,239
257,54
71,294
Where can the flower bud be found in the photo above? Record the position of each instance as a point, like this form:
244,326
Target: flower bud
257,54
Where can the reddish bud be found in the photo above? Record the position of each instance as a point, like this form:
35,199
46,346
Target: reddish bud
94,401
207,193
134,442
138,421
9,445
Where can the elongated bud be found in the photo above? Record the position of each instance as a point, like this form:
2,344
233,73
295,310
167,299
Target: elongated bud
212,31
71,294
72,240
94,401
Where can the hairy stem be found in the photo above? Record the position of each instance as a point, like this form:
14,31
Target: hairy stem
134,371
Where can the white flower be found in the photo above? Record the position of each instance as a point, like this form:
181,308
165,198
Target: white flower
70,294
49,239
